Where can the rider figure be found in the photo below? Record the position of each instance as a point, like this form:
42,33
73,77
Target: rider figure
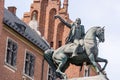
76,33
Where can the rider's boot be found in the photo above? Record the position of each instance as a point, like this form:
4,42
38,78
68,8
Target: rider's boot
75,51
74,54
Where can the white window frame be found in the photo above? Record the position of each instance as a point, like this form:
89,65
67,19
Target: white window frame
8,66
25,75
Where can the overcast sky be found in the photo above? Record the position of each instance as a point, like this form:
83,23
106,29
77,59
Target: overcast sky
92,13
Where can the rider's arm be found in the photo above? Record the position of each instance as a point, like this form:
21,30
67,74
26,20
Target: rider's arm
63,21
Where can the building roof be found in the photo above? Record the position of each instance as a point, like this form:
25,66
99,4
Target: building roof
24,30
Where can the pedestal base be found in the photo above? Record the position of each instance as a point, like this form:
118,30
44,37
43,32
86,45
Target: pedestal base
98,77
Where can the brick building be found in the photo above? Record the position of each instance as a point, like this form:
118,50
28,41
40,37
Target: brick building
1,13
53,30
21,50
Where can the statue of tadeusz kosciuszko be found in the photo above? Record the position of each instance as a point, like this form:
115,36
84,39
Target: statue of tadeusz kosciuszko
58,59
76,34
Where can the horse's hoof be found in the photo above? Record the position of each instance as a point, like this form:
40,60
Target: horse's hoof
104,72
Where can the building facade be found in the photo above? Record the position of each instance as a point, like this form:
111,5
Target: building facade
21,50
1,14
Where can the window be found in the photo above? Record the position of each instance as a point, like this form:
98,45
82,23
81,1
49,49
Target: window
51,74
51,44
29,64
59,43
20,26
34,15
11,53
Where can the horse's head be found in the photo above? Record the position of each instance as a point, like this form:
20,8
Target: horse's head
100,34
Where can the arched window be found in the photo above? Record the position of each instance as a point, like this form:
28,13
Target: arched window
34,15
51,25
60,30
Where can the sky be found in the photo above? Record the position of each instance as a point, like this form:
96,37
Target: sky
92,13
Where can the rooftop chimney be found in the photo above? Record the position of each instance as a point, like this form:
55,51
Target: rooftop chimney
12,9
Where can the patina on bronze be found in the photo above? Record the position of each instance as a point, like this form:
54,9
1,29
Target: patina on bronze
79,48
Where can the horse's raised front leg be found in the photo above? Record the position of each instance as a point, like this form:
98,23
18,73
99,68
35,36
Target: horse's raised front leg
98,59
92,59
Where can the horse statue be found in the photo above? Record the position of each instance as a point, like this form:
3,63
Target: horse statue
60,58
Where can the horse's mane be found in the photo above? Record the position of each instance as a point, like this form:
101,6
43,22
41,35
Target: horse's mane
94,27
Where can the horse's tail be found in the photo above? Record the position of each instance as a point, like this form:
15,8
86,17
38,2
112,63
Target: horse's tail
48,57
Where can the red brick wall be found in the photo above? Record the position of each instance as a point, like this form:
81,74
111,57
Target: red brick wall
5,73
48,26
1,14
73,71
1,42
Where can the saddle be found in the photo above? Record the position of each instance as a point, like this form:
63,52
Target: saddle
69,48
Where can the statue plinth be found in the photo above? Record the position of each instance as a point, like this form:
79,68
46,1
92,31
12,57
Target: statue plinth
98,77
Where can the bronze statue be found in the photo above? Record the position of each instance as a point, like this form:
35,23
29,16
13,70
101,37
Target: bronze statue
77,33
60,58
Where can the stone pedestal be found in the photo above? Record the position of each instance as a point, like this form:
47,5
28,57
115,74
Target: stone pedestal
98,77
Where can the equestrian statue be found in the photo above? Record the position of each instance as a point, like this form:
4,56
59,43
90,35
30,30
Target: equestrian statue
79,48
